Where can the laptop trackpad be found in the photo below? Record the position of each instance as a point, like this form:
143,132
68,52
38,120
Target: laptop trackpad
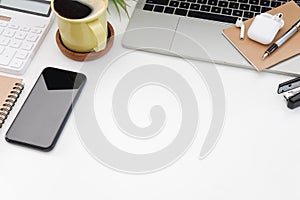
150,30
200,39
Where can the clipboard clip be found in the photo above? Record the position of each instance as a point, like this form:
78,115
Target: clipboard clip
291,92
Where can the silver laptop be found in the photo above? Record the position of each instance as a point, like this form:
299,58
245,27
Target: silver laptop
193,29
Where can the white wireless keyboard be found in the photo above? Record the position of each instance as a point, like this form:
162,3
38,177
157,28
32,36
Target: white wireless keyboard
21,32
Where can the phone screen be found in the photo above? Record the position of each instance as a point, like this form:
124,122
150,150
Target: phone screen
46,109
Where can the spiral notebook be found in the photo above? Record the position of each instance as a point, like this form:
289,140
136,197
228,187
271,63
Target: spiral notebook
10,89
253,51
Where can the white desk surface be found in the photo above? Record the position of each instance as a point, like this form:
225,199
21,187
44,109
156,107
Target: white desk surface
257,157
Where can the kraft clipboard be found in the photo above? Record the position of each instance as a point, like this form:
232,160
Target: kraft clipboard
253,51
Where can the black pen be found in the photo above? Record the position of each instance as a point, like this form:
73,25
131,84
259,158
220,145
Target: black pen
282,39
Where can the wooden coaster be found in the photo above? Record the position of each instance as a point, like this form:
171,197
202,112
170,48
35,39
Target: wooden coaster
79,56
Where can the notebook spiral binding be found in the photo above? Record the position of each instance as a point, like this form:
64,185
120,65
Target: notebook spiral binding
10,102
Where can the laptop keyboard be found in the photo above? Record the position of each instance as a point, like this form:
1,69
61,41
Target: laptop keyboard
217,10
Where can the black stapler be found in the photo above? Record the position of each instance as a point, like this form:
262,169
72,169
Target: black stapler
291,92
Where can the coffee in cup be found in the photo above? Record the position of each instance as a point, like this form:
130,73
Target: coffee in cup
72,9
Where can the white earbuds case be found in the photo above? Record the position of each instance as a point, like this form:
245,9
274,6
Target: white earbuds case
265,27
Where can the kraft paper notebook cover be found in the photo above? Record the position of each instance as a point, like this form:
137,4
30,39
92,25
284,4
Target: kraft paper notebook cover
253,51
10,88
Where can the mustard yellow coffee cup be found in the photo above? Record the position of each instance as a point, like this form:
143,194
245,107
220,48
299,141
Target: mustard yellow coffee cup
85,34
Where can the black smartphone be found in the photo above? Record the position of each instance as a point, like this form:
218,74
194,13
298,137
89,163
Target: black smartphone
46,109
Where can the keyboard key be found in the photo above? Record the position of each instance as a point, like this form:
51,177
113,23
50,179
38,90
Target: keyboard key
174,3
205,8
212,16
21,35
7,56
226,11
148,7
27,46
264,2
243,1
169,10
265,9
191,1
4,41
202,1
212,2
248,14
255,2
159,2
216,9
25,28
16,63
21,54
158,9
180,11
9,33
195,6
36,30
244,6
255,8
233,5
13,26
223,3
184,5
237,13
32,38
1,30
275,4
15,43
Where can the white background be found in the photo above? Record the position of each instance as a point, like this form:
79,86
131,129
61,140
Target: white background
257,157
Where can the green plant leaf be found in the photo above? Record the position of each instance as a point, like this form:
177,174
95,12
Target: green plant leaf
122,4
